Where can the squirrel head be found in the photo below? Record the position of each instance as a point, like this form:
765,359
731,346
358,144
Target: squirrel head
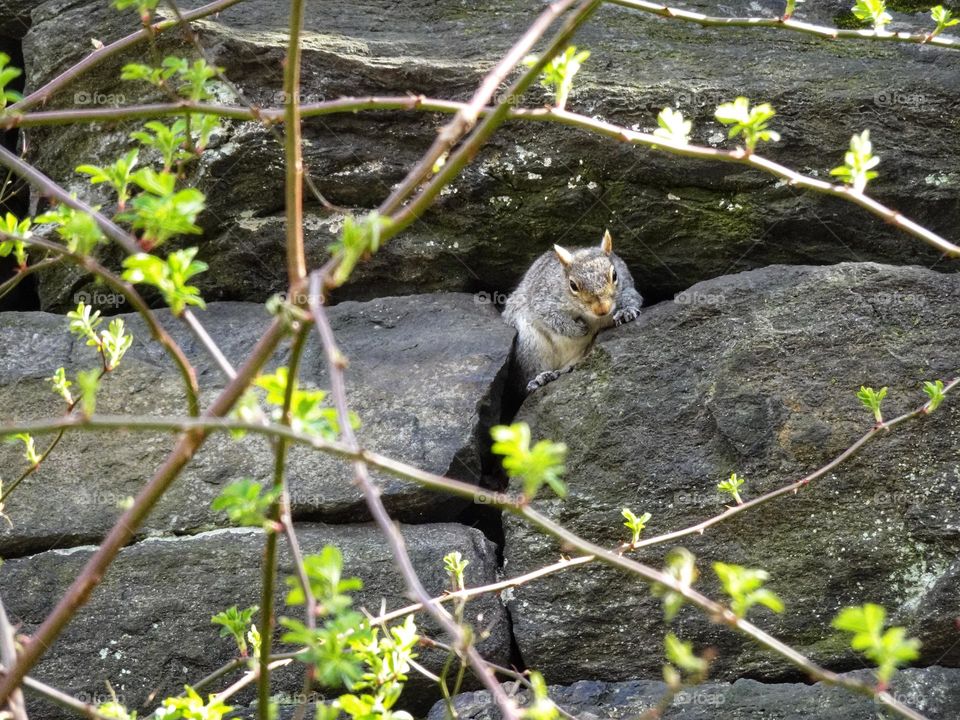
590,277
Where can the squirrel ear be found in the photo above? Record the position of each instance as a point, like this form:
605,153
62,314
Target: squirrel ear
607,243
565,257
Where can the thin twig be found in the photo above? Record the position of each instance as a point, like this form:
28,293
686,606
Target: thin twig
8,656
126,526
673,13
44,93
335,365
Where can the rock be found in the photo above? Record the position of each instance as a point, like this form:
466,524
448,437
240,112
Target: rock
755,373
147,627
934,691
675,221
425,378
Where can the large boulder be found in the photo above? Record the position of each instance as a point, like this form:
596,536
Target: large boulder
675,221
755,373
147,629
934,691
425,379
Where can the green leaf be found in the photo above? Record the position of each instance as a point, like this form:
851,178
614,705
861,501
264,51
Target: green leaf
557,75
888,650
681,565
245,502
635,524
83,323
61,385
115,343
118,175
859,162
169,142
681,654
29,447
542,464
169,277
872,399
752,123
455,565
7,75
673,126
89,383
358,239
162,212
743,586
934,391
872,11
235,623
77,229
732,487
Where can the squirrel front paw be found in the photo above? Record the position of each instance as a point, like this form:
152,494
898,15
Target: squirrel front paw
628,314
542,379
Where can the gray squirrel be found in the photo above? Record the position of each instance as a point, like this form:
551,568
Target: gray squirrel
562,302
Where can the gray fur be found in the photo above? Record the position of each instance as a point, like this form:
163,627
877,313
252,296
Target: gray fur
555,328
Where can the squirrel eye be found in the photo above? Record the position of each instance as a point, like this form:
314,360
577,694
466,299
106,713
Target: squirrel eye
574,287
613,275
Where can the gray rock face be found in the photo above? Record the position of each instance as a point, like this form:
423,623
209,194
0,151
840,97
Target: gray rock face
424,372
147,627
674,221
757,374
934,691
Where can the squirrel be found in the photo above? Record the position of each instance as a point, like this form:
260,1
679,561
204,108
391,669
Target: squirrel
562,302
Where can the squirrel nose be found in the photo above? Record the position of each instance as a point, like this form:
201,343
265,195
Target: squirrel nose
603,307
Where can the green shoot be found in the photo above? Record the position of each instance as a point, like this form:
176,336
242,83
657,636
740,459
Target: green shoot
542,464
859,162
29,447
943,18
358,240
61,385
541,707
673,126
934,391
874,11
117,175
12,225
558,74
246,503
169,276
234,623
732,487
888,649
8,75
77,229
681,565
751,122
743,586
454,564
635,524
872,400
89,383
